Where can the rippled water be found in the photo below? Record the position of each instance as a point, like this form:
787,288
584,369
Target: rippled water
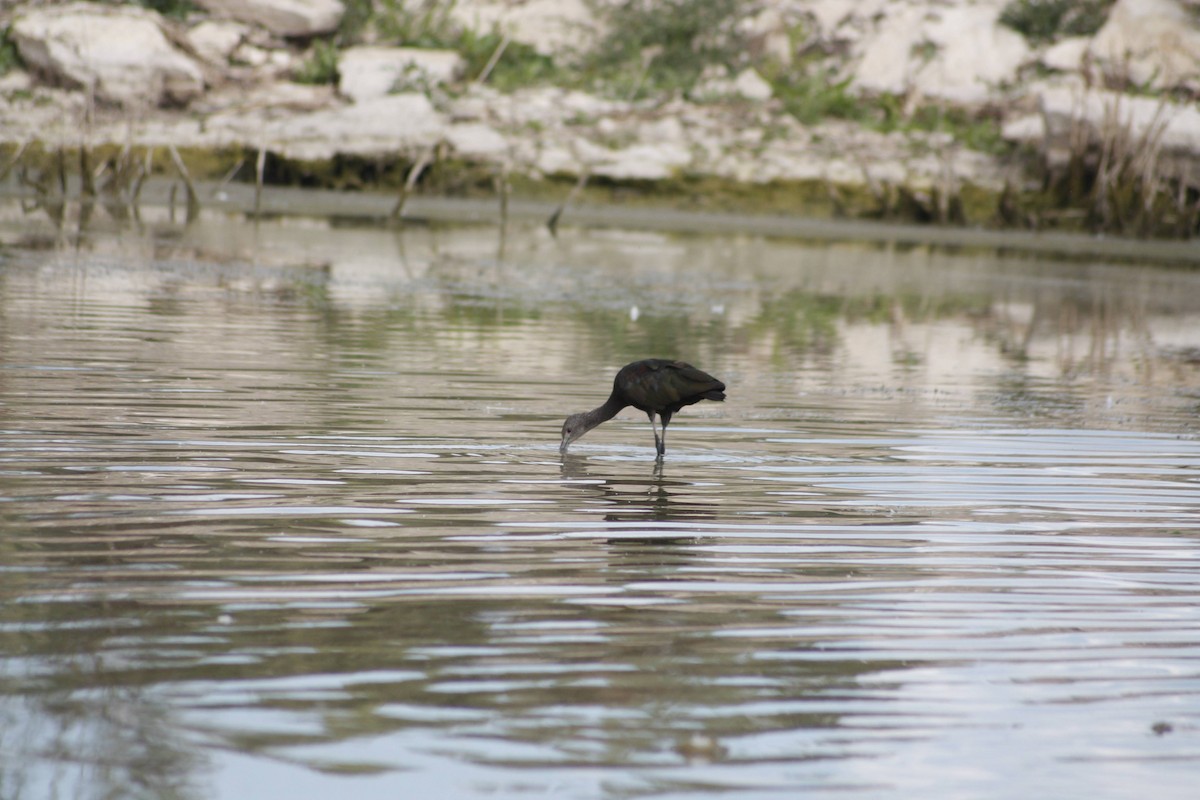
283,514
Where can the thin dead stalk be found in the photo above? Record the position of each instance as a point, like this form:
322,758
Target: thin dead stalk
410,182
552,223
193,199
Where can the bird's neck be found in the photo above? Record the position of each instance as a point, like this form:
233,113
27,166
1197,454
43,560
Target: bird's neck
612,406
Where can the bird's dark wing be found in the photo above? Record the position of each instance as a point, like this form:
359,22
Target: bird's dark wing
659,385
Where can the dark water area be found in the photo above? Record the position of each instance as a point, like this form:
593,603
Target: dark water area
282,514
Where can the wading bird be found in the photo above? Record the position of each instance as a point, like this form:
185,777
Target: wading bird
656,386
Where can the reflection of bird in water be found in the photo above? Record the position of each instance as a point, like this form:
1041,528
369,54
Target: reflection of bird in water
634,497
656,386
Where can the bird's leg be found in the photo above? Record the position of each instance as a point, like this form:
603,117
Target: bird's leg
653,427
666,418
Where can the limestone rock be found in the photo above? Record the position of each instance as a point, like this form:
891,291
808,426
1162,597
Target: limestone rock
121,51
1154,42
957,53
1026,129
389,126
281,17
548,26
477,141
216,40
550,158
367,72
1172,127
643,162
1068,55
748,85
769,34
276,97
752,86
548,106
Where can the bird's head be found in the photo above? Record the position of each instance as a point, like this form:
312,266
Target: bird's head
572,429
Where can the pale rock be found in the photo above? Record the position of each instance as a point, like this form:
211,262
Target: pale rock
15,80
769,36
847,20
554,158
706,148
216,40
752,86
38,113
121,52
581,104
886,55
476,141
250,55
715,84
1027,129
1067,55
368,72
644,162
839,170
891,170
1174,127
279,97
957,53
748,137
975,55
550,106
292,96
608,127
381,127
589,153
665,129
281,17
548,26
1151,42
540,106
281,61
265,64
473,105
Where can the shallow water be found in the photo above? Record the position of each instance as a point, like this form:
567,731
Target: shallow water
283,514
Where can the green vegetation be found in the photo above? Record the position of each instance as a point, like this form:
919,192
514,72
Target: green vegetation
656,47
177,9
321,66
518,64
1045,21
9,58
812,94
430,26
975,130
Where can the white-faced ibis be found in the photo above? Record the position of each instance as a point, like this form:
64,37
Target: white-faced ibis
656,386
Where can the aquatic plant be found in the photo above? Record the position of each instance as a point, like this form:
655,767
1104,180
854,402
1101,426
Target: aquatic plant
1122,181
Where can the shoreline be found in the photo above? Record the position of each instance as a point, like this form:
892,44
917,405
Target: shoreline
375,208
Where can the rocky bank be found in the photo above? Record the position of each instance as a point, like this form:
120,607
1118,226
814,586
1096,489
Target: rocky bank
221,79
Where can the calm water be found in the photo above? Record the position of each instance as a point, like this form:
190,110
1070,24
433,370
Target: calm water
282,514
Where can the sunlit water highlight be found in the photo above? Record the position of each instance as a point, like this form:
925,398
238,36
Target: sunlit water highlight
287,517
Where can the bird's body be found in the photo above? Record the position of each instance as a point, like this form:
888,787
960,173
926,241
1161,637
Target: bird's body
655,386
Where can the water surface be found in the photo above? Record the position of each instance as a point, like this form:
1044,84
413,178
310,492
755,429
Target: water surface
282,513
